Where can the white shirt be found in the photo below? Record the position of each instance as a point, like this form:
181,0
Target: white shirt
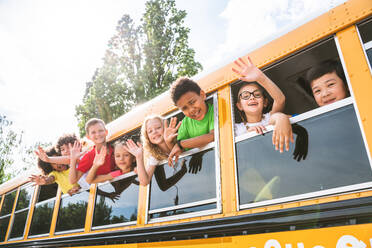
241,128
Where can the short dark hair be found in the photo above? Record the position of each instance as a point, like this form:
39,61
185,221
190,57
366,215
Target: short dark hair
44,166
181,86
327,66
64,140
92,122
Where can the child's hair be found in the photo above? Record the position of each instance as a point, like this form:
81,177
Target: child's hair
122,143
327,66
237,99
64,140
44,166
92,122
153,149
182,86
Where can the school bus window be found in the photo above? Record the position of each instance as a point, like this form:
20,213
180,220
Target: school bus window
366,36
116,202
21,212
266,176
43,210
5,213
72,212
176,191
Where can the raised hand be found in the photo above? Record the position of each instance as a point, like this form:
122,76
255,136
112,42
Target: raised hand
38,179
42,154
75,150
247,70
170,132
99,159
133,148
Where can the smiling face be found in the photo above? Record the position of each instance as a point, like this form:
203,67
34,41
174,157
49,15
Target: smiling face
65,150
59,167
193,105
327,89
251,106
155,130
123,159
97,133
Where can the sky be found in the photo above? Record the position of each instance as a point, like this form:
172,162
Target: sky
49,49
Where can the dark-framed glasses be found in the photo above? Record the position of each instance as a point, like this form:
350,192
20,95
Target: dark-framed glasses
245,95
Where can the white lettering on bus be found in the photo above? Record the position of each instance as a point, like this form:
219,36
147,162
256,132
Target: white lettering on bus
348,241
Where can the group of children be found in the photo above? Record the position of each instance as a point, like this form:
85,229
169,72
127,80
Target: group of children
260,102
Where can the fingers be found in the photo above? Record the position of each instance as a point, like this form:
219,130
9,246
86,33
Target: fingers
237,63
165,124
242,61
178,125
250,61
236,71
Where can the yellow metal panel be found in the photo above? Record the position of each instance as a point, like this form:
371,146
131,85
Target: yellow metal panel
142,205
55,212
360,76
90,207
228,184
31,211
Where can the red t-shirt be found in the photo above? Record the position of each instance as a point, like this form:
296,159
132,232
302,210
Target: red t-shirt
87,162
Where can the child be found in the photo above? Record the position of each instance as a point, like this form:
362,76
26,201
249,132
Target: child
197,128
125,161
328,83
254,107
157,149
57,173
96,132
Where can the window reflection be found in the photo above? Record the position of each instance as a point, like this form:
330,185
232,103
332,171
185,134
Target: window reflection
47,192
116,202
336,157
8,203
3,227
42,218
197,185
19,224
72,212
24,198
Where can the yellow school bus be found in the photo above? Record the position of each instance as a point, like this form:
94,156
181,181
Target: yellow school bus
237,191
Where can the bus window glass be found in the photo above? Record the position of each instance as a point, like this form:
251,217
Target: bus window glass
24,198
43,210
3,227
365,31
8,203
336,158
19,223
42,218
72,212
190,188
116,202
21,212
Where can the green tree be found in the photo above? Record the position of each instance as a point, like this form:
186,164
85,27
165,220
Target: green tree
9,142
140,63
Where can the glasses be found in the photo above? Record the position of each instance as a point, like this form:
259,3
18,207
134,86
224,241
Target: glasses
247,94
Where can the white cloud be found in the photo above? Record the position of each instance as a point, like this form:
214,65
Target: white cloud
253,23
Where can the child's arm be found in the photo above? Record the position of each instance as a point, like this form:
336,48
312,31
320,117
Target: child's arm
250,73
74,175
55,160
144,176
99,160
199,141
170,132
42,180
282,134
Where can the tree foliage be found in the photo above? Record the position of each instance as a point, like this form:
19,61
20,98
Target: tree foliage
141,62
9,141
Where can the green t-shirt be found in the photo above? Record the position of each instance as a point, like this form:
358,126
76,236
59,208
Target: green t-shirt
191,128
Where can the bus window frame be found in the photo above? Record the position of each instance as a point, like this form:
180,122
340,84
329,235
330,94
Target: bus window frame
129,223
27,185
10,215
303,116
35,206
216,145
365,46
